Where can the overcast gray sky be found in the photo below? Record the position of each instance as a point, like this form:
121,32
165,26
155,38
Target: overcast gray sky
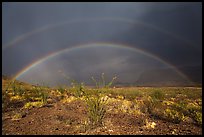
169,31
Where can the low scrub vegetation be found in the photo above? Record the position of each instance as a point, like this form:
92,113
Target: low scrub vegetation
170,104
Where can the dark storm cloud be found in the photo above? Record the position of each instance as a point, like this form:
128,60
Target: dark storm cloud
184,19
178,39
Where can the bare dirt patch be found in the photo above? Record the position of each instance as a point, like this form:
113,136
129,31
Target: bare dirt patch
67,118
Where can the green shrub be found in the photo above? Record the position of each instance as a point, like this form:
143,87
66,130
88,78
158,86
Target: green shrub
17,89
37,90
96,109
180,106
150,103
157,94
197,117
103,84
5,100
96,102
78,88
131,95
195,112
173,115
41,93
44,96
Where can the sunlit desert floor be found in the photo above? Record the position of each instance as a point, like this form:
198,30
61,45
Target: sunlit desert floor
136,110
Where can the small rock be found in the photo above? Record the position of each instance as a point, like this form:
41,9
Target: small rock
50,101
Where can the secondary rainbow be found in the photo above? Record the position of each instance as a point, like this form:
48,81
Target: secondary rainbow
133,22
90,45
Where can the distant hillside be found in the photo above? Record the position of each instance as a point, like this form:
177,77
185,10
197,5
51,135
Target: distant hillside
7,79
194,72
155,77
161,77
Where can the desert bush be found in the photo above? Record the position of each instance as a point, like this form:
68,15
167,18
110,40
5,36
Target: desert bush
96,109
102,84
5,100
96,102
173,115
197,117
195,112
77,88
150,103
36,90
180,107
17,89
157,94
176,111
192,110
40,93
44,96
127,106
131,94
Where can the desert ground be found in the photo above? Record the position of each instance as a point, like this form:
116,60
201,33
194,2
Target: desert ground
79,110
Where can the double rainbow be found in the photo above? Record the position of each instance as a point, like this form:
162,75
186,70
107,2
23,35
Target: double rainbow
97,44
92,45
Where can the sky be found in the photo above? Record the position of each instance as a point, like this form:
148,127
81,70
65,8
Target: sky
139,42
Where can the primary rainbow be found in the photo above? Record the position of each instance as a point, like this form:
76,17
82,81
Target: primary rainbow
133,22
90,45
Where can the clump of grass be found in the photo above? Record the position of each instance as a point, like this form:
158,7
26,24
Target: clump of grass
126,106
180,106
131,95
78,88
61,89
157,94
5,100
96,109
197,117
102,84
173,115
195,112
44,96
40,93
96,103
17,89
35,90
94,99
150,103
178,111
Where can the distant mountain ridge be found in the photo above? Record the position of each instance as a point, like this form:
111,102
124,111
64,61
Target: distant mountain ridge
168,77
159,77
